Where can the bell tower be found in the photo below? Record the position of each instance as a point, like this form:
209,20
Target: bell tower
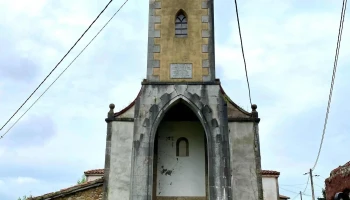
182,138
181,41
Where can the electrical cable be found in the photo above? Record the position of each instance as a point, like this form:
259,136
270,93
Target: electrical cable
307,184
293,191
292,185
57,64
64,69
333,78
245,64
295,196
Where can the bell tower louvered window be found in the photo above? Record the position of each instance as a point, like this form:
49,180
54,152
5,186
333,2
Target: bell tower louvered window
181,24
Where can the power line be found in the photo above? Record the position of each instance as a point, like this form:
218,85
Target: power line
292,185
293,191
319,186
289,190
57,65
245,64
295,197
307,184
66,67
318,177
342,17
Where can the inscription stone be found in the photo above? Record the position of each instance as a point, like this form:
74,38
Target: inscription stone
181,70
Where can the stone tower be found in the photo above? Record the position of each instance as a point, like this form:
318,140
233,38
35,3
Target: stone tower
182,137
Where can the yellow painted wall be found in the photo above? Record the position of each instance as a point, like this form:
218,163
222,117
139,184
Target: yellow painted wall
181,50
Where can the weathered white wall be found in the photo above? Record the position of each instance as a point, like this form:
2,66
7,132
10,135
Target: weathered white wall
128,114
93,177
181,176
120,167
270,188
243,163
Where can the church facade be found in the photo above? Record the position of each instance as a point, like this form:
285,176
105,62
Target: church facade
182,137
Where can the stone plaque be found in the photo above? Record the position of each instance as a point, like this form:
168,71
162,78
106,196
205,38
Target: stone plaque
181,70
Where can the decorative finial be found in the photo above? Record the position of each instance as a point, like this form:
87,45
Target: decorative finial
254,112
254,106
111,110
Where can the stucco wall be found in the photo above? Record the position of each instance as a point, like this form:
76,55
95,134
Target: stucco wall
270,188
120,160
93,177
181,176
243,160
128,114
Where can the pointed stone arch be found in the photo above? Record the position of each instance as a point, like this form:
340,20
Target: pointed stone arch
192,105
160,164
150,110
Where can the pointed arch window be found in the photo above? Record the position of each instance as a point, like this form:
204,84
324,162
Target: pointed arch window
181,24
182,148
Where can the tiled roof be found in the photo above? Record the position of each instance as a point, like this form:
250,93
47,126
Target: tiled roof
269,172
284,197
75,188
94,171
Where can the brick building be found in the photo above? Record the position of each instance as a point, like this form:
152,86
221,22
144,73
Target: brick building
338,181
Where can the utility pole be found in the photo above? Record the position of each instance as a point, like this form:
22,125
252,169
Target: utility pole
301,196
312,185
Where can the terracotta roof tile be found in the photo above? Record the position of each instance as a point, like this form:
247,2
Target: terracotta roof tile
284,197
74,188
94,171
269,172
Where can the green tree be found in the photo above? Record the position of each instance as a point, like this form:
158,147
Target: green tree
82,180
24,197
324,193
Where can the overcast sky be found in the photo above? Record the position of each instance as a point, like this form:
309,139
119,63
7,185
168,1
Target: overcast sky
289,46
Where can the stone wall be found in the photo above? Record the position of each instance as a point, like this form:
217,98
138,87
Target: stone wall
338,181
89,194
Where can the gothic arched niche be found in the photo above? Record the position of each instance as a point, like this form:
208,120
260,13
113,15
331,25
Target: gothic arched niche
180,157
181,25
182,147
